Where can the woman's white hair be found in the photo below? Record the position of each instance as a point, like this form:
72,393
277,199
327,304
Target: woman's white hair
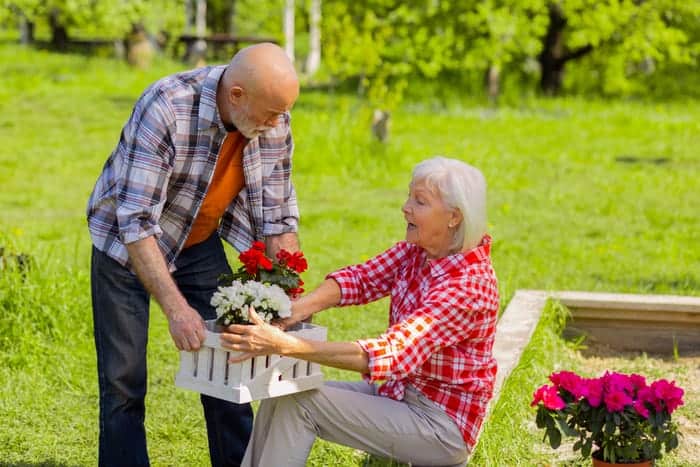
462,187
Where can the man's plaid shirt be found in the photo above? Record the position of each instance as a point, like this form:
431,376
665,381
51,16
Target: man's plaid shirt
156,178
441,328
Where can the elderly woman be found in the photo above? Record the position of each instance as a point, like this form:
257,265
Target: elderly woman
435,357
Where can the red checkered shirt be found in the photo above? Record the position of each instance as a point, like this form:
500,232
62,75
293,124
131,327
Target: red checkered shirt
441,327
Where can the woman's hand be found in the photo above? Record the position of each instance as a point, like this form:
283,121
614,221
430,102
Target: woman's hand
254,339
299,314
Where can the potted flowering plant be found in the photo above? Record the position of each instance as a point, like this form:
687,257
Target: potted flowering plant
616,418
268,286
260,283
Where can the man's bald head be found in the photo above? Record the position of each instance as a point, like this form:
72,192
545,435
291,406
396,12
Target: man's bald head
264,70
261,82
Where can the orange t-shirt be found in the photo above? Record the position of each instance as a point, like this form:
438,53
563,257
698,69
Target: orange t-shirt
226,183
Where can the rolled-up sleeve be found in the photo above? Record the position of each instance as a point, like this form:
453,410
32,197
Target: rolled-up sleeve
143,167
280,210
450,314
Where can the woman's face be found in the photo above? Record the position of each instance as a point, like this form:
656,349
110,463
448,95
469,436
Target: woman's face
431,223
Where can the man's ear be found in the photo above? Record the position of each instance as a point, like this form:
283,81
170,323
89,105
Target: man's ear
235,94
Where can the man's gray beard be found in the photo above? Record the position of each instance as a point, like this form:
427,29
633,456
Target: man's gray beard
244,126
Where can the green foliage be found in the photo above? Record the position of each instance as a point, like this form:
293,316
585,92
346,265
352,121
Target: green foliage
386,43
632,42
101,19
382,46
259,17
383,43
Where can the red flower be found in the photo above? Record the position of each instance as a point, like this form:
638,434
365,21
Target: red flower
264,262
254,258
282,256
294,261
298,262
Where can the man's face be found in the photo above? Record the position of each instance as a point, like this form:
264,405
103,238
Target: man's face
257,114
246,124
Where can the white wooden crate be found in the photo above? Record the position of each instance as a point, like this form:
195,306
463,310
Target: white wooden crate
207,370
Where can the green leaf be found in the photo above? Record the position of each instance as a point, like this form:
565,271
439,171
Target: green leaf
587,447
566,428
554,438
540,419
672,443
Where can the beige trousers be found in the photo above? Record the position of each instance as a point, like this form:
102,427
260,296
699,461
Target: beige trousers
415,430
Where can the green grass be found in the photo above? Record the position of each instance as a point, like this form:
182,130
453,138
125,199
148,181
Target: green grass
564,214
510,434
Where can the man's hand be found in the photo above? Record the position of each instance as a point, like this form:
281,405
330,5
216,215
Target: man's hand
186,328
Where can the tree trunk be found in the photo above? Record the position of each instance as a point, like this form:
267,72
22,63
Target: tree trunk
189,17
289,29
139,50
552,51
199,49
26,31
59,34
201,18
554,55
493,83
313,61
232,19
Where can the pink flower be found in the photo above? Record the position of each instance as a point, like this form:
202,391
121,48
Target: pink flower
618,382
617,400
641,408
549,396
569,381
638,381
670,394
594,389
646,396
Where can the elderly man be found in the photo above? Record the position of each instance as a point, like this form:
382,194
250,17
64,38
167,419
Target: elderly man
205,156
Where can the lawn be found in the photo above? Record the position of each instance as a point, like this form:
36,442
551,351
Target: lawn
583,195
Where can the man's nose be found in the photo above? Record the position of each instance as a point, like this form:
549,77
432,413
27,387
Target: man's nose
272,121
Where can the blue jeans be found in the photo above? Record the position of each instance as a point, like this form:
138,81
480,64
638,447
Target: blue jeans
120,313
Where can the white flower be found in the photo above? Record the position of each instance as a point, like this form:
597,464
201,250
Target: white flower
269,301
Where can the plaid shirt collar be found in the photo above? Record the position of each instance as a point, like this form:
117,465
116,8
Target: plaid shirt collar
208,109
456,263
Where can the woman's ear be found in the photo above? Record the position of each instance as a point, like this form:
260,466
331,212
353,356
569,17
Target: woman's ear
455,218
